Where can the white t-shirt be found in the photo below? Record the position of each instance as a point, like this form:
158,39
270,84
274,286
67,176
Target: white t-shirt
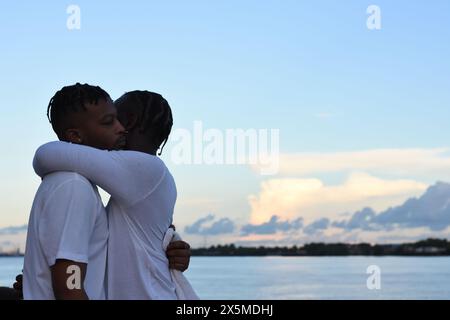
67,221
143,195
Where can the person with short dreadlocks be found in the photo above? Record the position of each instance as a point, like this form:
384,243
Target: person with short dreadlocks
143,195
68,227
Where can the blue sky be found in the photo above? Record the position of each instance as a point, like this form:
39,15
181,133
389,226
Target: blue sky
309,68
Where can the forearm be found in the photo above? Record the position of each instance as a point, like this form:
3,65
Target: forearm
62,156
96,165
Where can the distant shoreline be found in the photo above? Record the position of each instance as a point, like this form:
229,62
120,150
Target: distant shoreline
428,247
293,255
423,248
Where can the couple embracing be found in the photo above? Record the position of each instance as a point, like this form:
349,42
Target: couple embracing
78,249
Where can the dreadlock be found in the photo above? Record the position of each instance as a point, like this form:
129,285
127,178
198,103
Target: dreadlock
154,116
71,99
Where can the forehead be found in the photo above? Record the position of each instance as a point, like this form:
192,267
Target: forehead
103,107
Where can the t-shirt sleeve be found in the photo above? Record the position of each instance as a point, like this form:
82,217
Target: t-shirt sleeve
68,221
128,176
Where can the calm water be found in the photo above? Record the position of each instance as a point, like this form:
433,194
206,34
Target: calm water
305,277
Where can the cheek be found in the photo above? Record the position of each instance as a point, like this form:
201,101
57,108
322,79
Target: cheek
98,137
103,139
92,131
108,135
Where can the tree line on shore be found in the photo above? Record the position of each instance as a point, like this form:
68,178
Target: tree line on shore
428,247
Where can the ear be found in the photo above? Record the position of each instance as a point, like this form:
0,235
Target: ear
73,135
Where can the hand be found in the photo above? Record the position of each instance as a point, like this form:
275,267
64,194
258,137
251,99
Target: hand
179,254
18,285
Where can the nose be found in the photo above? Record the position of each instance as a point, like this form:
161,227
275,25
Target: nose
120,129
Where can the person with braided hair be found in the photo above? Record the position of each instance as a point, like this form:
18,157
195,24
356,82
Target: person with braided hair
68,228
148,119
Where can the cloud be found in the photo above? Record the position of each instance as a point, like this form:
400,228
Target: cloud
431,210
272,226
407,162
424,216
14,229
195,228
360,220
316,226
222,226
311,198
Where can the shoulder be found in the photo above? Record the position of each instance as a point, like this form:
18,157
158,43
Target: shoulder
66,195
61,185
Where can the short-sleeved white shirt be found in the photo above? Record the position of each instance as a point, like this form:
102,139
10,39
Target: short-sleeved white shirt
67,221
143,196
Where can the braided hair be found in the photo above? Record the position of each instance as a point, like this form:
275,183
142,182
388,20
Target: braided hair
71,99
154,116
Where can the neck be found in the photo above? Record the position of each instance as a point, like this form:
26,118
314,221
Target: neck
141,146
137,141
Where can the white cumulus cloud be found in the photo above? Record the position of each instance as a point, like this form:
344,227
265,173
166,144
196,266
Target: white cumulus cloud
311,199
